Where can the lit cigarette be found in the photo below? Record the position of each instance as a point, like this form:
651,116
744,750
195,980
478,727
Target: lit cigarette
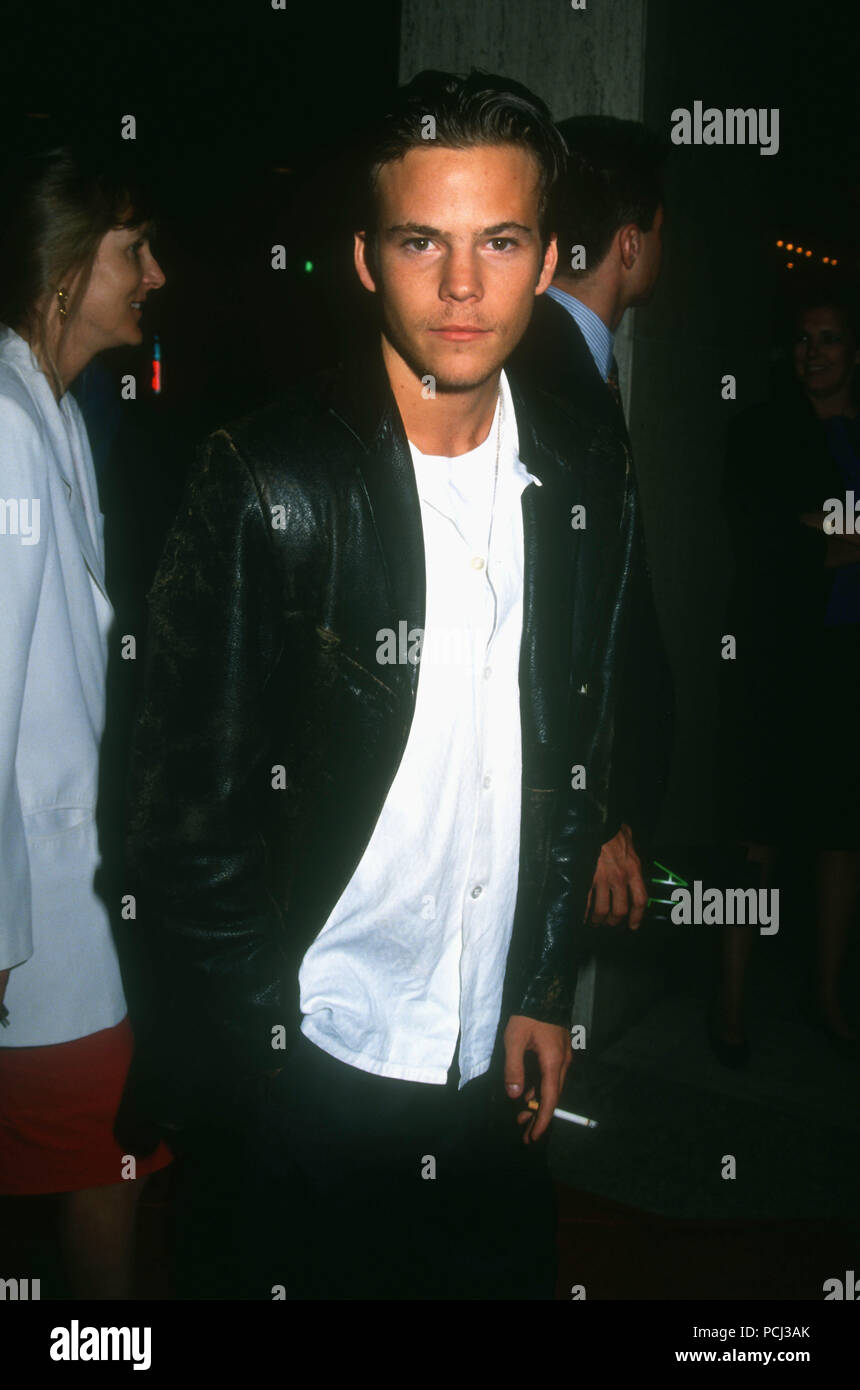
566,1115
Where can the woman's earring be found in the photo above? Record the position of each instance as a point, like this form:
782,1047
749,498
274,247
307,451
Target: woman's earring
62,301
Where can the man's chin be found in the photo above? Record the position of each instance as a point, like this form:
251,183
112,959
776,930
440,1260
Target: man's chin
451,377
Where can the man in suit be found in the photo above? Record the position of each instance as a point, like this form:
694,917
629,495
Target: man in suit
610,247
378,649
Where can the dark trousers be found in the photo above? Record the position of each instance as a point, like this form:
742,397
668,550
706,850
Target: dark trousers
359,1186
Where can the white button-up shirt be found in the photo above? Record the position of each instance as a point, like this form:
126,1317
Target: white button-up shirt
414,951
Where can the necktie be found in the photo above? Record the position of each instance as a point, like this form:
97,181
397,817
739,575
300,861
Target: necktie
612,383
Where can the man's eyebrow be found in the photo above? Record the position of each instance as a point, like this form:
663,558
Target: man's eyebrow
419,229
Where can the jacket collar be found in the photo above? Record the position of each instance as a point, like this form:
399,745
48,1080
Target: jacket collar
360,395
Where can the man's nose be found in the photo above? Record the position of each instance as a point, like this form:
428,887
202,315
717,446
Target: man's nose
461,277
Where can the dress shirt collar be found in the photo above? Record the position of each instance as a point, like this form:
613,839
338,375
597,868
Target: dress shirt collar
593,329
510,451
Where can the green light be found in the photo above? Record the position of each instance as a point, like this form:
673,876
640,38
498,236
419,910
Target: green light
309,265
672,879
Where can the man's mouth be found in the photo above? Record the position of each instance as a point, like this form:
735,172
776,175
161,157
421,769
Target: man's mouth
459,330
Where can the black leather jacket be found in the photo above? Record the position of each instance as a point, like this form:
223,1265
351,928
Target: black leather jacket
298,539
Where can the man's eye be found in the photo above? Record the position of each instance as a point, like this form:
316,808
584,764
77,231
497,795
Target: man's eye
508,240
413,241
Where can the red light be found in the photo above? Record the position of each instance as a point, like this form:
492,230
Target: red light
156,377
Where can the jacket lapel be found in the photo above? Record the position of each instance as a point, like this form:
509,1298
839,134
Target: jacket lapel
364,401
544,651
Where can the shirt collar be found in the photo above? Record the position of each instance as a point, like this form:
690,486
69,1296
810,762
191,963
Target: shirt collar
510,443
593,329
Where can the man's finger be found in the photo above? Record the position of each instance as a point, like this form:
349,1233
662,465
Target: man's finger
619,905
600,889
515,1073
550,1090
639,895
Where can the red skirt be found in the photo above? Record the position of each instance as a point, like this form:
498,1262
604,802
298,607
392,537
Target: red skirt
57,1109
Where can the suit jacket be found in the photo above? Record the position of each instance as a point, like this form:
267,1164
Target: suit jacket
54,928
300,538
554,357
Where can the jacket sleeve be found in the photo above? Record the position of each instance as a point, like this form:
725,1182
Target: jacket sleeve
207,964
581,822
645,714
22,567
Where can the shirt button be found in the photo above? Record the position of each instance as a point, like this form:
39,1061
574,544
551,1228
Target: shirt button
477,891
487,782
488,671
477,562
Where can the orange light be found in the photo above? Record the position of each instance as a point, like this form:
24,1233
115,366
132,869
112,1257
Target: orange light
789,246
834,261
790,265
809,253
780,243
799,250
826,259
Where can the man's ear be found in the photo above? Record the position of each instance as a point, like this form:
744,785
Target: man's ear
629,244
360,256
550,261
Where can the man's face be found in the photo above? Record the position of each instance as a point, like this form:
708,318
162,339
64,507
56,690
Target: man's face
824,353
458,249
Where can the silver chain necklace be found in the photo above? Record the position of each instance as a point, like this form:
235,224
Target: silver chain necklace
499,408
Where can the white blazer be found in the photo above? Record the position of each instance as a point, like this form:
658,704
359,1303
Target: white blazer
54,622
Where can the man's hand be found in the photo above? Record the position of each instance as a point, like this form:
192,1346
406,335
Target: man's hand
618,886
554,1053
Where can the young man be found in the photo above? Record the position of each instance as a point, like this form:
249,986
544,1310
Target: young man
372,764
610,221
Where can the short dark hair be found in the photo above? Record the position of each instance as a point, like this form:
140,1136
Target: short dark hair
479,108
613,176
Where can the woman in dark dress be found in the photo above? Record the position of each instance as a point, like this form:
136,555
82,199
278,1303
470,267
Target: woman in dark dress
791,698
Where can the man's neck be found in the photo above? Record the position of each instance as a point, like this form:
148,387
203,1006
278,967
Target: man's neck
448,424
598,295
